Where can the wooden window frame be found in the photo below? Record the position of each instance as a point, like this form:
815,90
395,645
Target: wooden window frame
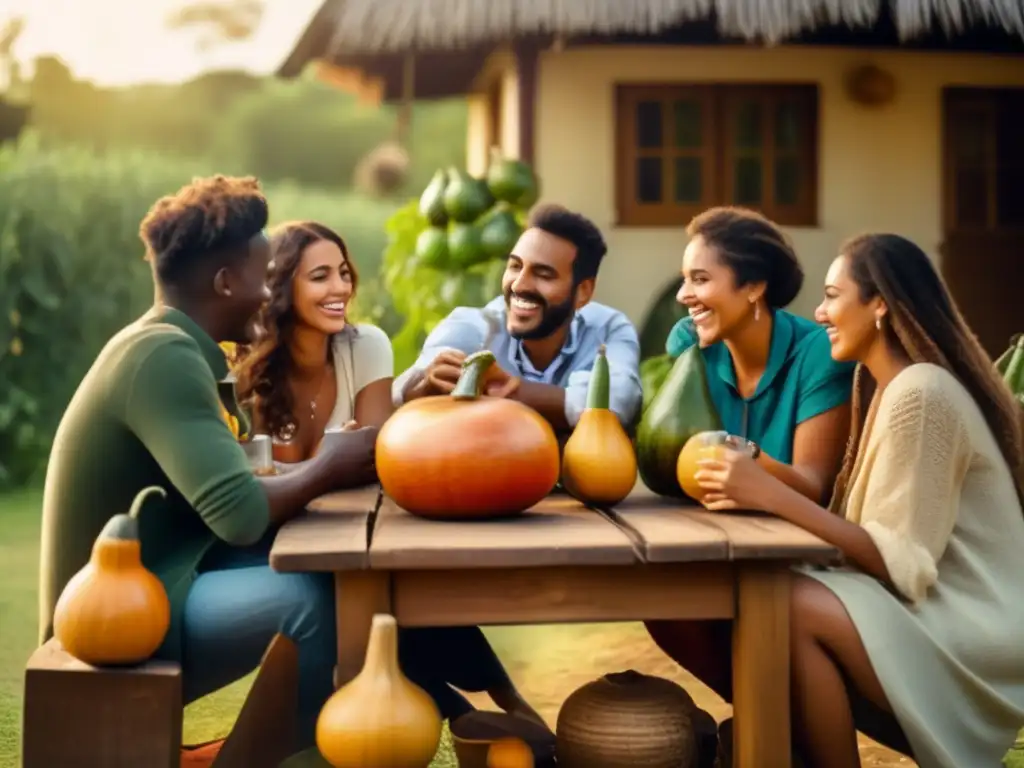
719,101
979,103
496,109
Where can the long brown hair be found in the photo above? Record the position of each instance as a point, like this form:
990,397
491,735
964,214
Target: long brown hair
262,369
924,321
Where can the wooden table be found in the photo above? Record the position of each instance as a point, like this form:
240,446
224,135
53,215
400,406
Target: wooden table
561,562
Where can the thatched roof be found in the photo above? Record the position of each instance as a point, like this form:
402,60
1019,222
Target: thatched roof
383,26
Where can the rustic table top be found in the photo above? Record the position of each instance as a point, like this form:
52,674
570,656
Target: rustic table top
363,528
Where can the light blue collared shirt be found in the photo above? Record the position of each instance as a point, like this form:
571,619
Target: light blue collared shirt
469,330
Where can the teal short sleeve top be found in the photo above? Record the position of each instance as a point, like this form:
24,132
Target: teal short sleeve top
800,382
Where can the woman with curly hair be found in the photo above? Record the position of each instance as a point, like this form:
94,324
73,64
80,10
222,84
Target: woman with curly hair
312,370
918,640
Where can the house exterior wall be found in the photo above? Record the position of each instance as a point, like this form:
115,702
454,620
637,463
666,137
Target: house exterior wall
878,168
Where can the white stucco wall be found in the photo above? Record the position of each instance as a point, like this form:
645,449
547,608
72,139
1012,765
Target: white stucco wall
879,168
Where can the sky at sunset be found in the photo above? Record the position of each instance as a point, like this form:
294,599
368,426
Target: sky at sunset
121,42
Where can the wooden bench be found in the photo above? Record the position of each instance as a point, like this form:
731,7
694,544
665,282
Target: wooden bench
80,716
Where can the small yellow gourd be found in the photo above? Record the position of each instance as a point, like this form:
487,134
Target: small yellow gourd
510,752
599,463
113,611
710,444
380,718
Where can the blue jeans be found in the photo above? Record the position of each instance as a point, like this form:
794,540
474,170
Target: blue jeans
235,607
238,603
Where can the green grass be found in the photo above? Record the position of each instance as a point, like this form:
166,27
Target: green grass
208,718
549,654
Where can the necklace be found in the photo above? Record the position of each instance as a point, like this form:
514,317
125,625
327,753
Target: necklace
316,396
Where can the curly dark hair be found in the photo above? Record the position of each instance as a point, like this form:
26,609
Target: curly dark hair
262,369
559,221
210,215
754,248
924,321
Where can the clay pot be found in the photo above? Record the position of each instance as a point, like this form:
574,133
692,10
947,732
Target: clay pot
705,729
627,720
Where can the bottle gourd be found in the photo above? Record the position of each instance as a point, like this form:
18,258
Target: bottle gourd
598,462
114,612
681,409
380,718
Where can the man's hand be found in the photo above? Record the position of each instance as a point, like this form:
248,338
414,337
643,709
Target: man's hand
440,376
499,383
350,452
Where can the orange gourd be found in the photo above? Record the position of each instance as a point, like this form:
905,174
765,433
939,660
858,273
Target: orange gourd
467,455
703,445
114,611
599,463
380,718
510,752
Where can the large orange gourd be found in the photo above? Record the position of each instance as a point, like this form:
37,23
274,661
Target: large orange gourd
113,611
467,455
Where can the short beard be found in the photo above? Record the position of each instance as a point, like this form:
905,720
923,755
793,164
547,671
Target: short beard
552,319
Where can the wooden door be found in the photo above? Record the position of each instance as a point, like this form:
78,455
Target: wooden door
983,209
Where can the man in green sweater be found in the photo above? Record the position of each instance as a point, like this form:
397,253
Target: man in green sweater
149,412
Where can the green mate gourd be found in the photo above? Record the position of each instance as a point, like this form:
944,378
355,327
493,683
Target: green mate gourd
466,198
432,247
500,232
432,200
681,408
512,181
464,246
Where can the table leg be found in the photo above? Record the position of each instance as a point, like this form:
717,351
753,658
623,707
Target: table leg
761,706
358,595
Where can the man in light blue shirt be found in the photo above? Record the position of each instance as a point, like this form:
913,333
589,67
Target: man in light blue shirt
544,329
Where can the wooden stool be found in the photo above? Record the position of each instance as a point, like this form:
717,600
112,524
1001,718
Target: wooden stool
80,716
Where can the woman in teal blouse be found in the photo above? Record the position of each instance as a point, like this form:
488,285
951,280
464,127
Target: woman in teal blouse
772,380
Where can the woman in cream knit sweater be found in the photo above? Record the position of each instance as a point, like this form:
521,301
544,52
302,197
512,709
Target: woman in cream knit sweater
919,639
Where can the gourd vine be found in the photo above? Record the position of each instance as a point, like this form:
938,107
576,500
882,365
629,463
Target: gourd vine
449,247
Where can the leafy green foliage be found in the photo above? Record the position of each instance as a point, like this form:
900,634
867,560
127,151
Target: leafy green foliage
426,283
303,131
423,296
72,272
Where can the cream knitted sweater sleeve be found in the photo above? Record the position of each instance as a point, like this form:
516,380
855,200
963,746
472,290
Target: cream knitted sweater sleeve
906,493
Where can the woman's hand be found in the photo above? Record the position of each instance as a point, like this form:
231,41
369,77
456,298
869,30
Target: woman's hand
735,481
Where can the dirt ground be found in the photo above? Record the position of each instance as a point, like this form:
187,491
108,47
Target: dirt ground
550,662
